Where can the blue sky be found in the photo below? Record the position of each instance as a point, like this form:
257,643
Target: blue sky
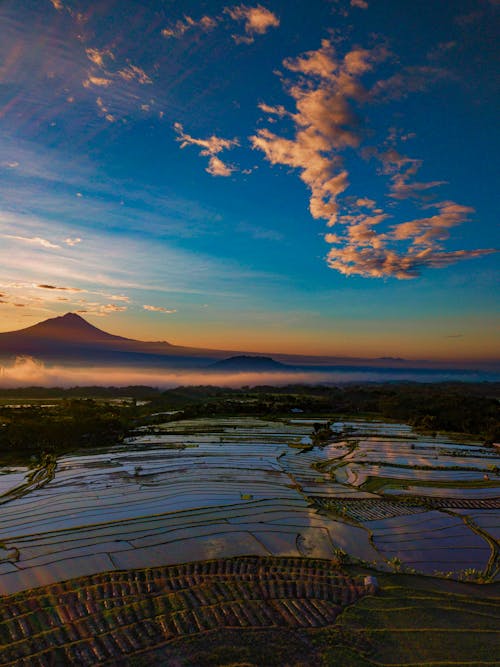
286,176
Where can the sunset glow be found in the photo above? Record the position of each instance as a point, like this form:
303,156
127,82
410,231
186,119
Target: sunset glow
287,177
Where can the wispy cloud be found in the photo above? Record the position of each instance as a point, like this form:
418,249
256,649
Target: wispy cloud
98,56
211,147
33,240
98,81
134,73
57,4
101,310
160,309
180,27
409,80
58,288
257,21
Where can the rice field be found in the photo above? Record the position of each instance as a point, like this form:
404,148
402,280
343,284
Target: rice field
216,488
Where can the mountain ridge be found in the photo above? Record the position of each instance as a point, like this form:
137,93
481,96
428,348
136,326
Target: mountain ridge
73,339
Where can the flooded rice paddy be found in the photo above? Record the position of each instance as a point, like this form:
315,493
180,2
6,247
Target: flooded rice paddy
215,488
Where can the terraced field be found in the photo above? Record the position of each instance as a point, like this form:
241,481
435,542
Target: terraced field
250,611
213,488
231,537
92,620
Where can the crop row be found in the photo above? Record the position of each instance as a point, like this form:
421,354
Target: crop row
366,509
102,617
464,503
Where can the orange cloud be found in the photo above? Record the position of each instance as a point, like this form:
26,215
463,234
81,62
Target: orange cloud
179,28
329,94
210,147
258,20
99,81
134,73
325,122
160,309
97,56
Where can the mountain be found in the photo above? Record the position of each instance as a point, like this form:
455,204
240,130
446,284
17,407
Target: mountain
70,339
69,328
247,363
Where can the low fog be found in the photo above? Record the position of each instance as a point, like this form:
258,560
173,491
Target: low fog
28,371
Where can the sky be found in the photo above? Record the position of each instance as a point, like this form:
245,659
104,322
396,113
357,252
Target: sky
292,176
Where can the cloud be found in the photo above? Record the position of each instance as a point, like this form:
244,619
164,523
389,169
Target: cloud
34,240
134,73
72,241
403,249
361,4
209,147
179,28
258,20
325,122
117,297
109,117
278,110
99,81
401,169
383,262
100,310
159,309
329,94
409,80
97,56
57,4
112,308
64,289
427,231
105,72
10,165
218,168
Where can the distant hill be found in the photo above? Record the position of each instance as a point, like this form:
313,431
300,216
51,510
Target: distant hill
249,363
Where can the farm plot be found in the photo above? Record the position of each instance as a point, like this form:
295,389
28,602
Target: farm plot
368,509
116,615
422,454
356,474
145,504
211,488
430,542
10,478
